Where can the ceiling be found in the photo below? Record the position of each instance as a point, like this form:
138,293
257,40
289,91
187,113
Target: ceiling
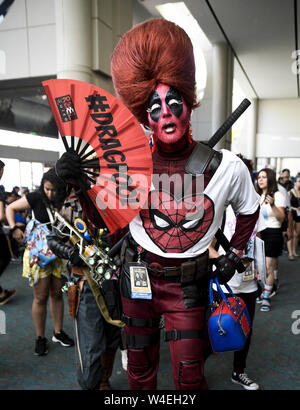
262,33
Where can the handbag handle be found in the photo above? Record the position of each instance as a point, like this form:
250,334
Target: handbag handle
216,281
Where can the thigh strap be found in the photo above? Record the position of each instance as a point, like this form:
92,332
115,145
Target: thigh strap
176,334
141,341
141,322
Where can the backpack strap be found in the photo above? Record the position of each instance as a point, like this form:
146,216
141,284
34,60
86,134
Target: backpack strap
202,157
100,300
50,215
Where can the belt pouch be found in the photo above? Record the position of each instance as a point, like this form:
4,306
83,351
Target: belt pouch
73,300
188,271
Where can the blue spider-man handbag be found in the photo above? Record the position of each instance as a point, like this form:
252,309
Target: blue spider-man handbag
229,325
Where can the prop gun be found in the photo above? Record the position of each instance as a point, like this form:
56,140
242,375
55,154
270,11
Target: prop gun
101,265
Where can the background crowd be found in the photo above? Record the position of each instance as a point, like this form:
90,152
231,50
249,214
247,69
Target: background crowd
280,231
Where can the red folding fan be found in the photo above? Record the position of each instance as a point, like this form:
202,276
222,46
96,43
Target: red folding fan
113,148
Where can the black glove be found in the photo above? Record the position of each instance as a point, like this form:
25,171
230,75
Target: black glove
61,250
58,247
74,257
68,166
105,241
225,269
117,261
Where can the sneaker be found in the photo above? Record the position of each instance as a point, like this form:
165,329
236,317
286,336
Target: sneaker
41,346
258,299
63,339
243,380
274,290
7,296
265,305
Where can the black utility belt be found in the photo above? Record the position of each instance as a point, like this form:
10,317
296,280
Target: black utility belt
188,271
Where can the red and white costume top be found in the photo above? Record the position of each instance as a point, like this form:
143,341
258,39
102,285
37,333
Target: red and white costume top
165,229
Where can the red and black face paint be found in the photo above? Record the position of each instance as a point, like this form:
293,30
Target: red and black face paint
168,114
173,100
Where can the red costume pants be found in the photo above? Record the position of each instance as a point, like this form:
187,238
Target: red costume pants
143,337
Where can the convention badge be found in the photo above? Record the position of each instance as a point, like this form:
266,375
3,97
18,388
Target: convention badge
249,273
139,281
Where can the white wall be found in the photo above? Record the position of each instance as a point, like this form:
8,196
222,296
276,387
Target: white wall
110,20
202,116
244,129
27,40
278,128
278,135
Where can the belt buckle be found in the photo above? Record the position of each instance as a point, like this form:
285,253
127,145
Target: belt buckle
175,334
171,269
171,335
155,267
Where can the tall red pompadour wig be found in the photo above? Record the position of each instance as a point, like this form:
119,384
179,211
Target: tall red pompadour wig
153,52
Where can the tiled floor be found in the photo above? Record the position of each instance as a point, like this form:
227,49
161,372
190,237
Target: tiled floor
273,361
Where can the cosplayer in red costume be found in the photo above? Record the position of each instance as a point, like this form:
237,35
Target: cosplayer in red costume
165,264
154,76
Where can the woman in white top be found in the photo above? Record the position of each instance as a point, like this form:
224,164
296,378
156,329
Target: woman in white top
295,207
272,208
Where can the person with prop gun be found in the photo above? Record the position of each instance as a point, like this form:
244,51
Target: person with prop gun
153,72
92,290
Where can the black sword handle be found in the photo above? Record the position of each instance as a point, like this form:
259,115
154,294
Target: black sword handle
228,123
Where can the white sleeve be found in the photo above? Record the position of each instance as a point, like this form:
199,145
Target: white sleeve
279,199
243,197
285,194
260,224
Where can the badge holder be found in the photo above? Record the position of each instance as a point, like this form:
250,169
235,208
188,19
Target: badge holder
249,273
139,279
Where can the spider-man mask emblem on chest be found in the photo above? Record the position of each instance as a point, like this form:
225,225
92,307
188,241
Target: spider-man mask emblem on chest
175,225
